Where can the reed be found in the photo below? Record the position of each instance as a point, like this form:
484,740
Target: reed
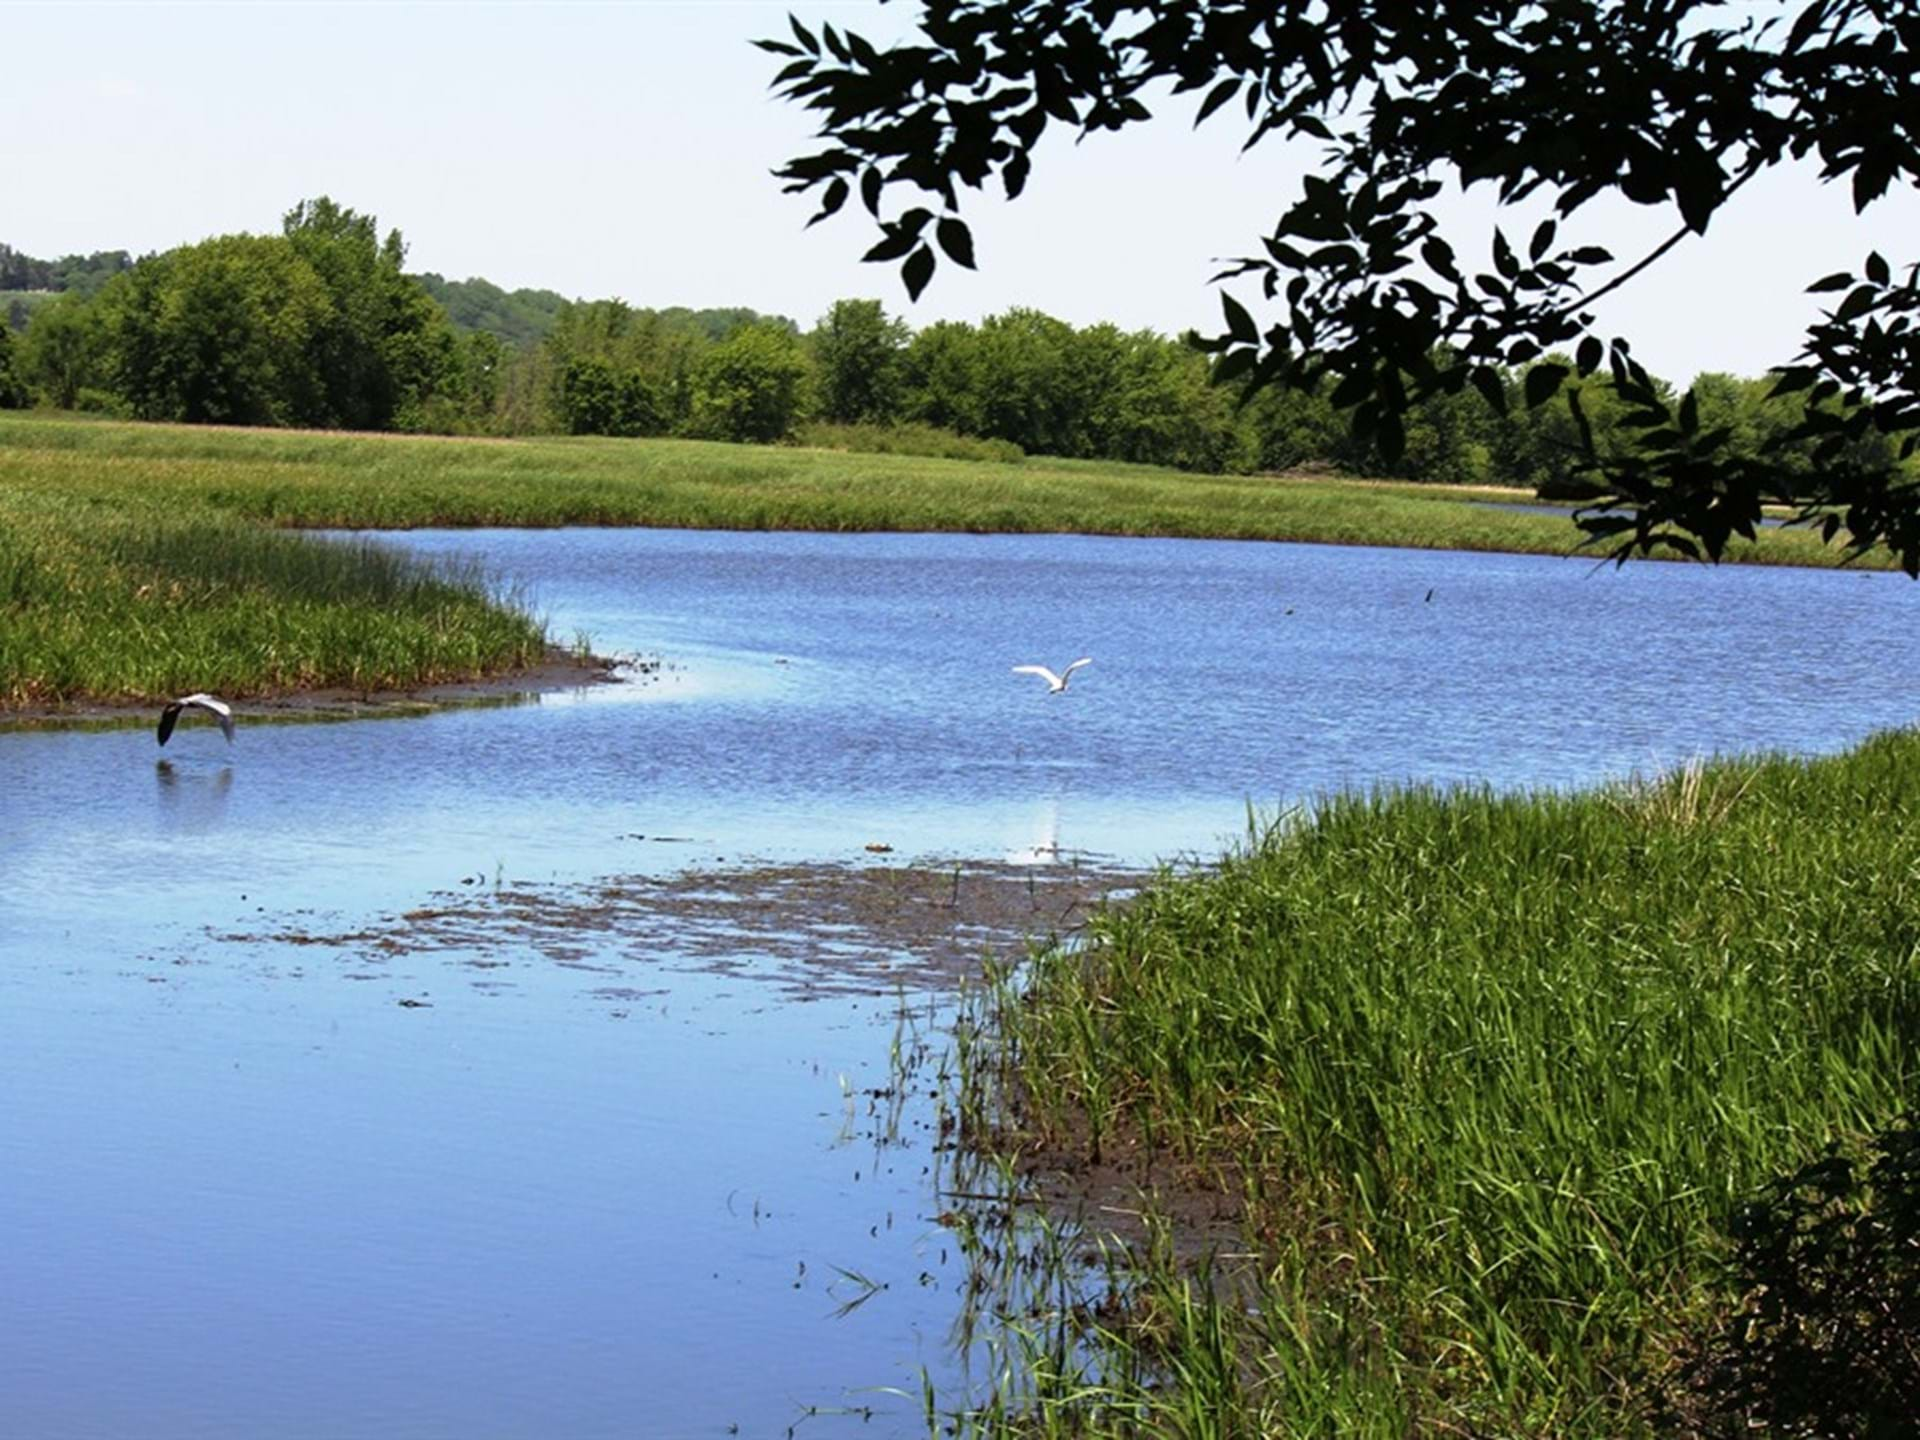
1485,1075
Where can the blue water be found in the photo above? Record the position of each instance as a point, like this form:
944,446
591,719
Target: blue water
246,1191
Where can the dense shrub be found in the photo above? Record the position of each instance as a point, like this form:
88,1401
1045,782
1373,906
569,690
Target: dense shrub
1826,1338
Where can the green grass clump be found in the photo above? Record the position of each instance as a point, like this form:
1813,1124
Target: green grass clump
1489,1075
907,438
139,601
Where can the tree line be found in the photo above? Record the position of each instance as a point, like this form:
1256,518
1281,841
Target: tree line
320,325
82,273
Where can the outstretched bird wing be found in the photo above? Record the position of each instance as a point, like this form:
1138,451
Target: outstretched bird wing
219,709
1042,671
1083,660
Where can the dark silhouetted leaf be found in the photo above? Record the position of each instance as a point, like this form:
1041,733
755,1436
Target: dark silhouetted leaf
1542,381
1239,323
897,243
1014,175
1542,240
1580,419
956,240
1791,378
917,271
1233,364
1217,97
1698,185
835,197
1390,436
1504,259
1487,381
1352,389
1439,257
1859,300
1804,24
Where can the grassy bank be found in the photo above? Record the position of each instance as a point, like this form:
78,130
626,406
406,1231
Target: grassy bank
139,599
310,478
1485,1077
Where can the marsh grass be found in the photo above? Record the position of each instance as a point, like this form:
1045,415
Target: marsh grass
907,438
1487,1076
320,479
141,600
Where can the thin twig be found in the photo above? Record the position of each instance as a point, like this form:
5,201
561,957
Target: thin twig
1753,168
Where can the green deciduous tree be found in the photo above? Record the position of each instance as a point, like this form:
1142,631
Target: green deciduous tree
61,354
315,326
858,348
222,331
754,385
386,349
1678,103
599,398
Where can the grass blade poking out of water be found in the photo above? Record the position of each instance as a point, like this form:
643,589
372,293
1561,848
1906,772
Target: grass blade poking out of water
137,601
1486,1076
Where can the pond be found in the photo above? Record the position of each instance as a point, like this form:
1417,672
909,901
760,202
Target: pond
414,1077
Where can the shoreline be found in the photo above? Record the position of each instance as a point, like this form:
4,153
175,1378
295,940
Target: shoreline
560,670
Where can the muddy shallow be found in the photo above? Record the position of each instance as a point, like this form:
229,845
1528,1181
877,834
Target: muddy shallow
865,929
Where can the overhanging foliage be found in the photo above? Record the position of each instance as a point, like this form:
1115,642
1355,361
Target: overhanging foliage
1679,103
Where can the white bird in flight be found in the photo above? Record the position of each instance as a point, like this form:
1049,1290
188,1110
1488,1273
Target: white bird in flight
219,709
1055,683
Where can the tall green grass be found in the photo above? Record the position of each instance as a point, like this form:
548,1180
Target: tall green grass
1486,1076
138,601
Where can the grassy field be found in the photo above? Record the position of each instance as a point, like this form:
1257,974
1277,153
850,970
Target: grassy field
1486,1077
138,559
307,478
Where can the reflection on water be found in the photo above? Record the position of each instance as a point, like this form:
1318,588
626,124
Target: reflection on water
313,1180
192,800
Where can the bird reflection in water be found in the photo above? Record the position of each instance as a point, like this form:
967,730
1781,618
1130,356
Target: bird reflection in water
191,798
1044,848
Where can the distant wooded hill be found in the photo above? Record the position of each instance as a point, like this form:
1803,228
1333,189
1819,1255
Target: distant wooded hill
82,273
525,317
519,317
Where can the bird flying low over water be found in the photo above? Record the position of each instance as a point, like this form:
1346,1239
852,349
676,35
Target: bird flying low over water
1055,683
219,709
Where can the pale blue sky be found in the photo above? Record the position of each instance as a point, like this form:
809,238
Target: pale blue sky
624,149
